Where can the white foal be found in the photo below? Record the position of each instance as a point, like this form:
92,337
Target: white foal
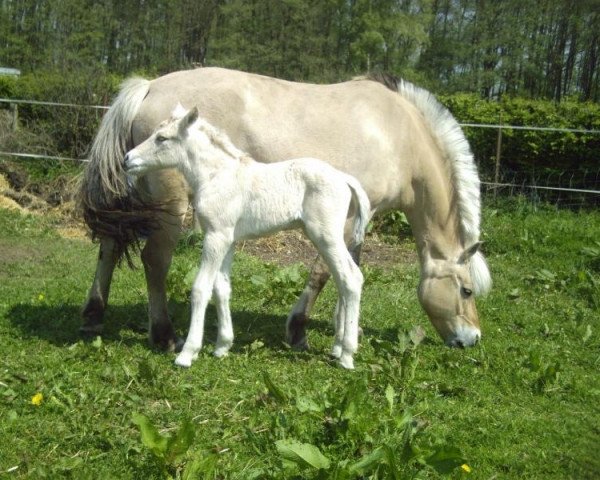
237,198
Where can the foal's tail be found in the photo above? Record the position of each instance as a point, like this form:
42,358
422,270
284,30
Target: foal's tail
363,211
108,204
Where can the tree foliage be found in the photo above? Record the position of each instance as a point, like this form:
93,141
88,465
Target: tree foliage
544,49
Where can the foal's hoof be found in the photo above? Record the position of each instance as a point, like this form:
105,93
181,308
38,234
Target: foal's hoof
185,359
221,352
336,351
347,361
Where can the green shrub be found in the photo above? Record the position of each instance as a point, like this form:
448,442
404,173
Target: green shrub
71,129
528,153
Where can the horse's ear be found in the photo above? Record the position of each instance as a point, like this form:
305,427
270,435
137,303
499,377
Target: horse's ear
469,252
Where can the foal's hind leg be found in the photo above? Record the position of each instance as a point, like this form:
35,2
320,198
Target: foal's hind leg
348,279
299,317
97,300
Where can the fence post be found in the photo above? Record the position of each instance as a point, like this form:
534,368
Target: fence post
14,108
498,153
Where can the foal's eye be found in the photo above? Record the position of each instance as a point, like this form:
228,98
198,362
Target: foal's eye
161,139
467,292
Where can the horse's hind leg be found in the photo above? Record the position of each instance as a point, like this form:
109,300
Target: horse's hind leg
156,257
300,315
97,300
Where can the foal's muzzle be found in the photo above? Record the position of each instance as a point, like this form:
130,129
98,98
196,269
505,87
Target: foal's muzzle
130,165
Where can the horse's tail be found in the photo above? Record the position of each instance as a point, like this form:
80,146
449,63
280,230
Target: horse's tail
109,205
363,211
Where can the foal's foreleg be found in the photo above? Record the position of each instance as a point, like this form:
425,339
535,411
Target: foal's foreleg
214,251
97,300
222,294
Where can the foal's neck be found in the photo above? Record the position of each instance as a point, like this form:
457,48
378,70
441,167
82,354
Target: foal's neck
205,163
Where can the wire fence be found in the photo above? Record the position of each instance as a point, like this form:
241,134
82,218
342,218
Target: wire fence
568,188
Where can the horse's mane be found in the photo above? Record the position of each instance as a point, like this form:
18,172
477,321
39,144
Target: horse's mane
452,141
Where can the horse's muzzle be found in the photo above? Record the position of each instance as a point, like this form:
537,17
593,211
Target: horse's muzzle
464,338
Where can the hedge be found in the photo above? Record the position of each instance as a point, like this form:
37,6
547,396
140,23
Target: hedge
530,152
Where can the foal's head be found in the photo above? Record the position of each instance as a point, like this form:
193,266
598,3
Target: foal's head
166,147
446,293
184,138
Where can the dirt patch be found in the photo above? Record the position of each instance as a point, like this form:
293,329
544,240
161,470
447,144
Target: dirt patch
290,247
11,254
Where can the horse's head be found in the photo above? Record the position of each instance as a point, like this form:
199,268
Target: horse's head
166,147
447,291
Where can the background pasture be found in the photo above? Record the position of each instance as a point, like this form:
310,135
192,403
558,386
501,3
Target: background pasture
523,404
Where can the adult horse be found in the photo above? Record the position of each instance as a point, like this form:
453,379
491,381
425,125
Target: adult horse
405,148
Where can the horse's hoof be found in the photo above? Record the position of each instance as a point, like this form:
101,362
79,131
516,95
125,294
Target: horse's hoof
91,329
301,345
178,344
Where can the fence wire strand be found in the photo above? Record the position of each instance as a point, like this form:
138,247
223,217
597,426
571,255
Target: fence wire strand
513,186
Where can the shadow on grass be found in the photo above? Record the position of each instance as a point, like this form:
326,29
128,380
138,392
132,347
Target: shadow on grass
59,324
127,325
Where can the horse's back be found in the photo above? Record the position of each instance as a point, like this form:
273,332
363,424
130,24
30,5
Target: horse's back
359,127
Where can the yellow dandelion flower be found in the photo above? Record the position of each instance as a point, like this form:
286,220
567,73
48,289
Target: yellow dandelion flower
465,468
37,399
41,297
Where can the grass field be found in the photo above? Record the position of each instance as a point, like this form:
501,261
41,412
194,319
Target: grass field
525,403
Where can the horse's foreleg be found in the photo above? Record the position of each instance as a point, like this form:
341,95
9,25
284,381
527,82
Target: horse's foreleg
97,300
214,251
300,315
222,294
156,257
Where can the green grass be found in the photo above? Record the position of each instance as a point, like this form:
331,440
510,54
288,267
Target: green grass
522,404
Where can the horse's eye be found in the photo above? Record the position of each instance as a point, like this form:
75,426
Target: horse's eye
467,292
161,139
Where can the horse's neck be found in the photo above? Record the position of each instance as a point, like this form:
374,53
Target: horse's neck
435,222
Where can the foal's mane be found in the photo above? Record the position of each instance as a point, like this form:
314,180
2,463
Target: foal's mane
220,139
450,138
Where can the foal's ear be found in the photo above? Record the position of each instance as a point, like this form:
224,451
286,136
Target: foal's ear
469,252
189,119
192,116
